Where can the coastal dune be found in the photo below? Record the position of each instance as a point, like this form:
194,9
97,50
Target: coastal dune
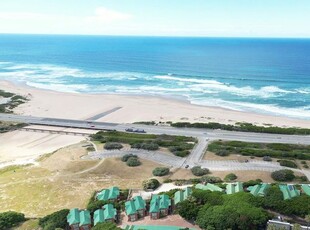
131,108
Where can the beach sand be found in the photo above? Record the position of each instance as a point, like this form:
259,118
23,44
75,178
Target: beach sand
48,103
20,147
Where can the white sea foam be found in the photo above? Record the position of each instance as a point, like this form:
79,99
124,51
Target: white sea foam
191,80
301,112
60,78
60,87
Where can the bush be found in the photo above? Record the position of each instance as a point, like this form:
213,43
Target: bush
230,177
267,158
10,219
161,171
198,171
113,145
55,220
283,175
287,163
133,162
127,156
150,184
150,146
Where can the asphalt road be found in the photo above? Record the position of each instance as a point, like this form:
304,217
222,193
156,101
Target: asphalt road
195,158
199,133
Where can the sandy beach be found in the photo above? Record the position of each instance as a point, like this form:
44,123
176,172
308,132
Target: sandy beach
133,108
108,108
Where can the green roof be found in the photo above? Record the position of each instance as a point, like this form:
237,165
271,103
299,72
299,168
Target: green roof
109,212
306,188
289,191
182,195
259,189
210,187
232,188
108,194
73,217
159,202
85,218
98,216
132,206
154,227
139,202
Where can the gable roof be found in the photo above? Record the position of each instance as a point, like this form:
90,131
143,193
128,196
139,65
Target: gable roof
98,216
139,202
306,188
182,195
108,194
132,206
210,187
232,188
73,217
259,189
84,217
289,191
109,212
159,202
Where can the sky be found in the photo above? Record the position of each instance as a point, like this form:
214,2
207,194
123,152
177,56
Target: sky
211,18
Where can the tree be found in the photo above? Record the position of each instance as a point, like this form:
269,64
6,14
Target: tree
161,171
106,226
150,184
127,156
230,177
55,220
112,145
10,219
208,197
283,175
240,215
198,171
133,162
188,210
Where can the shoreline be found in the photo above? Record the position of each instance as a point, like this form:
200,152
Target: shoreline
134,108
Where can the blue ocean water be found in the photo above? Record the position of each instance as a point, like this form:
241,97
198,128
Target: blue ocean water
261,75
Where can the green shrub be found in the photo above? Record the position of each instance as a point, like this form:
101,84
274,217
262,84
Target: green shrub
113,145
55,220
150,184
267,158
133,162
230,177
10,219
198,171
161,171
287,163
127,156
150,146
283,175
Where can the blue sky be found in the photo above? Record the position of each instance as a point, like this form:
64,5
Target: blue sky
220,18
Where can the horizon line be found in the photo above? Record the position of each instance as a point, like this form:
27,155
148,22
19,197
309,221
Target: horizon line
167,36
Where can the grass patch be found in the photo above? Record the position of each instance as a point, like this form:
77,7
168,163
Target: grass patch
13,102
178,145
244,127
277,150
9,126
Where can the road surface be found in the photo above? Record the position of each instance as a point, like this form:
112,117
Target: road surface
195,158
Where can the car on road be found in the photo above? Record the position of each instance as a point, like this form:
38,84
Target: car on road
131,130
186,166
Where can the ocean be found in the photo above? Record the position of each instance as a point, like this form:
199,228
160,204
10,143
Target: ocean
269,76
